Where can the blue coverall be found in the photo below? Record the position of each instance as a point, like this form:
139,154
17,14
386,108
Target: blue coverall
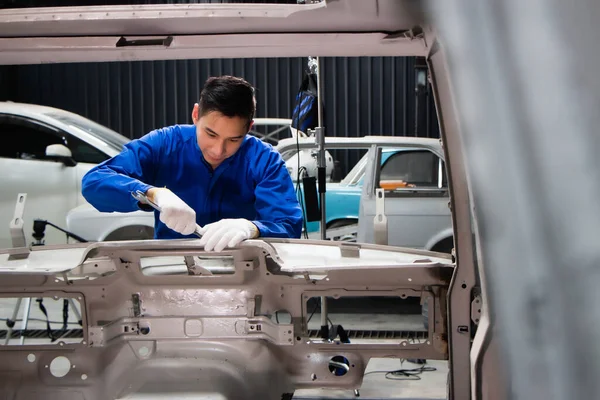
253,183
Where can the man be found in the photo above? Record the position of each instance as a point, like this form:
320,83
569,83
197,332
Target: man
212,173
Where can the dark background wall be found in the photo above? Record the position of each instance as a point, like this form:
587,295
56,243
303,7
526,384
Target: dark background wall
362,95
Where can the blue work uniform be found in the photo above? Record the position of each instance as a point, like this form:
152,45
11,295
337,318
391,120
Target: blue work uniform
253,183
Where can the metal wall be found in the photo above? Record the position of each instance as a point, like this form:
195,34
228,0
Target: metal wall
362,95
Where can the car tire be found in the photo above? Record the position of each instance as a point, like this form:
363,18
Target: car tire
444,246
340,223
133,232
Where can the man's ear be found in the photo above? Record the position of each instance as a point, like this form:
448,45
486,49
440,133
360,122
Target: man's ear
250,125
195,113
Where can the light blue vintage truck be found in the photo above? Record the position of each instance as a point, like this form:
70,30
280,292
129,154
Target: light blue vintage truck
411,175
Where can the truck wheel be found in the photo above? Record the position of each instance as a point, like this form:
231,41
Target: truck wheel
349,236
444,246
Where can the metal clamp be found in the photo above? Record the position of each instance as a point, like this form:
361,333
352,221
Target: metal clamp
19,243
380,225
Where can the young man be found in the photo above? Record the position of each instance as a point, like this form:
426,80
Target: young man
211,173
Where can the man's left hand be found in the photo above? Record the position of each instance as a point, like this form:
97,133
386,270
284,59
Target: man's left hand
227,233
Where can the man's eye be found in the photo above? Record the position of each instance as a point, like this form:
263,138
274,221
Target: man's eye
235,140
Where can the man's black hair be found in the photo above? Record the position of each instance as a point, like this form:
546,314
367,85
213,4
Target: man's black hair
229,95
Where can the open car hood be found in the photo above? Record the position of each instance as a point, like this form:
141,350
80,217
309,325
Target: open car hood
184,31
125,355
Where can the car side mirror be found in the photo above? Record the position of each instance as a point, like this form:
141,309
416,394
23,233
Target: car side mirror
60,152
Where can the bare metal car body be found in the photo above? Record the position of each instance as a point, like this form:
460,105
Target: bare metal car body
151,326
112,306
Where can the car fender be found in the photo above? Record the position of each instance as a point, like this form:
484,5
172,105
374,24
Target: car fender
94,225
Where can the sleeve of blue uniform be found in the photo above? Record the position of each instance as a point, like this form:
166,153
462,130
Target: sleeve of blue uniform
108,186
278,211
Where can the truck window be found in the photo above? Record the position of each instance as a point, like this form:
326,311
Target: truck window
420,168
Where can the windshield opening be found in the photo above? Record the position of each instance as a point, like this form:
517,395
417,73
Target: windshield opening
107,135
356,173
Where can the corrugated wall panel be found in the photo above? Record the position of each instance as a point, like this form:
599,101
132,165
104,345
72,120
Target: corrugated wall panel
362,95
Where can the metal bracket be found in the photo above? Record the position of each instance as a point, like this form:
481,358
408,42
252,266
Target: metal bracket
380,225
16,230
350,250
124,42
476,309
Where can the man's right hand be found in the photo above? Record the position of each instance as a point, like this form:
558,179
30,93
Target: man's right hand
174,212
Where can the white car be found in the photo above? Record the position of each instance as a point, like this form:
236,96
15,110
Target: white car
48,153
303,161
93,225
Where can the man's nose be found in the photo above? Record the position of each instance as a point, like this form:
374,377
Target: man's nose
221,148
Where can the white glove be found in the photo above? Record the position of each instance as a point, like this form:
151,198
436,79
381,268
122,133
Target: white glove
227,233
174,212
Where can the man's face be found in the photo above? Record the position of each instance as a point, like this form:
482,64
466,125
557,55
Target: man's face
219,136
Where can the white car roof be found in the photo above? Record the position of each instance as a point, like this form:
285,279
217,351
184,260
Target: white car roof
364,142
102,137
27,109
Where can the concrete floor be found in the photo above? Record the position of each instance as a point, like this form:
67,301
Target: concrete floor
431,385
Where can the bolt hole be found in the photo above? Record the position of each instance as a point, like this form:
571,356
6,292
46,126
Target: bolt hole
60,366
339,365
464,286
313,377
